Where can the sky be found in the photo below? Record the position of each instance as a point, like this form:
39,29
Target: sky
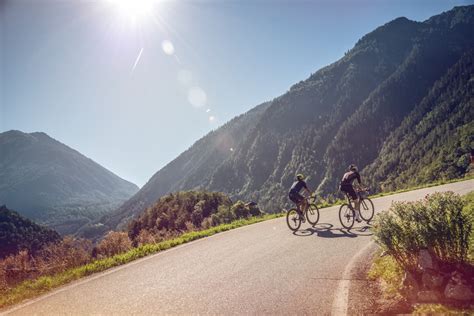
133,83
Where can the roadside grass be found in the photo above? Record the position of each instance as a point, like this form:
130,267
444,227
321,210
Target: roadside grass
423,186
34,288
384,269
439,309
390,273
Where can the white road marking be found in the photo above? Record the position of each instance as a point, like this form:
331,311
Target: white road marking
341,296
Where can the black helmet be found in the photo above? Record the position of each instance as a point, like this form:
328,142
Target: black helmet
353,167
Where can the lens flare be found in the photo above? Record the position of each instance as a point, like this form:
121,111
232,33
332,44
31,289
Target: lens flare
167,47
197,97
138,59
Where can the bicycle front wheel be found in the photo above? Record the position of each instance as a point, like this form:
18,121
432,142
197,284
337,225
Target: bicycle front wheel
293,219
346,216
312,214
366,209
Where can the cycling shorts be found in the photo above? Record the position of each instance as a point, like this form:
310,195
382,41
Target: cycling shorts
347,188
295,197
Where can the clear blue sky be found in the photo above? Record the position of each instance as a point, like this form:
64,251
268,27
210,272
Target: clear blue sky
70,68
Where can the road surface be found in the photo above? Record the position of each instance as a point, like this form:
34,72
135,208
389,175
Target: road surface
257,269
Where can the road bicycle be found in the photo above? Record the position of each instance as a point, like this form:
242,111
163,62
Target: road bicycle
294,219
347,212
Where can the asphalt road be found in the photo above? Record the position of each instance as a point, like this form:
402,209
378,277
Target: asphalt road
257,269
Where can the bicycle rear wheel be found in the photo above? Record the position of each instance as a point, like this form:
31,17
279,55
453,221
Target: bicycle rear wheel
346,216
312,214
366,209
293,219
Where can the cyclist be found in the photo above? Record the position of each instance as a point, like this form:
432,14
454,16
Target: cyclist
346,186
295,195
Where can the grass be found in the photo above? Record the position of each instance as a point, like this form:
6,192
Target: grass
33,288
439,309
423,186
418,187
387,270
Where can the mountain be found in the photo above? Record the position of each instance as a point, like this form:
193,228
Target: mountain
18,233
193,166
436,139
55,185
349,111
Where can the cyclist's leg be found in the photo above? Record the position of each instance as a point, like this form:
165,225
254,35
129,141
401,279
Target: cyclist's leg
301,205
356,200
295,198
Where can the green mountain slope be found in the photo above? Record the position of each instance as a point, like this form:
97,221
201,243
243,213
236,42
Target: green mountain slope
190,170
436,139
343,113
55,185
18,233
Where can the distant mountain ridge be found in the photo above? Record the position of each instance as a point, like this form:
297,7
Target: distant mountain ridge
349,111
54,184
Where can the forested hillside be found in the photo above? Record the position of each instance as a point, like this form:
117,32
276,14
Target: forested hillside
55,185
18,233
436,139
353,111
196,165
186,211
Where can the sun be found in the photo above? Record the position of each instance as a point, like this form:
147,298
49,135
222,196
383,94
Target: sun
134,8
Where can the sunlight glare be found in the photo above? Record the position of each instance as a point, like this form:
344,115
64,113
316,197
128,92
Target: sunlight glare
134,8
185,77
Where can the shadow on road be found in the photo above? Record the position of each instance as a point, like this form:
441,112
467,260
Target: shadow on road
326,230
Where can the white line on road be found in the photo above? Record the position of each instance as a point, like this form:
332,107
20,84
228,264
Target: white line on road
341,296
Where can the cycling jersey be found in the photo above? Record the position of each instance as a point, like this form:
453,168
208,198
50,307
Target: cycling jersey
297,186
349,177
346,183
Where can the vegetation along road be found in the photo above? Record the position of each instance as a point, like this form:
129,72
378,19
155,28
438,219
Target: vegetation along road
257,269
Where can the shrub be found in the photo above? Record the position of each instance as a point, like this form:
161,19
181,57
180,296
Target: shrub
53,258
16,268
224,214
240,210
437,223
145,237
68,253
254,209
207,223
112,244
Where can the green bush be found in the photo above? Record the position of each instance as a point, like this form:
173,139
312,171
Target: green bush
240,210
437,223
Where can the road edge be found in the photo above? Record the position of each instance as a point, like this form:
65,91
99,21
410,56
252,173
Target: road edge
340,303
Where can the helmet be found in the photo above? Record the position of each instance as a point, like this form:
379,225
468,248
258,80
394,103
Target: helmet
353,167
300,176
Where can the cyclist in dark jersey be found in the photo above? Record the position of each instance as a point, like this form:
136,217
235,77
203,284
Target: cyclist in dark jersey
346,186
295,190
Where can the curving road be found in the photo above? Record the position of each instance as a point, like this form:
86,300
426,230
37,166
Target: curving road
257,269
